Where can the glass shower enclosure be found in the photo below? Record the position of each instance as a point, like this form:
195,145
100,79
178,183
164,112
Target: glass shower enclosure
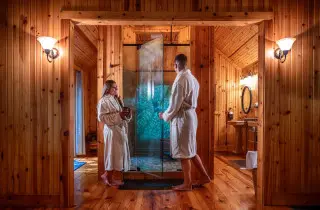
147,95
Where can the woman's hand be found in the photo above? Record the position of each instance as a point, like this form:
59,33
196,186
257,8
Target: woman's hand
123,115
161,115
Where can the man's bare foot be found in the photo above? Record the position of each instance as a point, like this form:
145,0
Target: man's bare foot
105,180
201,182
182,187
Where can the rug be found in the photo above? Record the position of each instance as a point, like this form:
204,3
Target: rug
154,164
77,164
162,184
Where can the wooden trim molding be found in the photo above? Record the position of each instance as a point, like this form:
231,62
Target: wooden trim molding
296,199
164,18
68,112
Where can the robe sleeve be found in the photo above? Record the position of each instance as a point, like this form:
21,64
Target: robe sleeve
176,101
107,117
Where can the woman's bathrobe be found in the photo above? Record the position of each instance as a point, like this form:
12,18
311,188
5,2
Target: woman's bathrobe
116,147
182,115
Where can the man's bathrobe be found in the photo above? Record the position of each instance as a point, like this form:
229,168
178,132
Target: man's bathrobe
116,147
182,115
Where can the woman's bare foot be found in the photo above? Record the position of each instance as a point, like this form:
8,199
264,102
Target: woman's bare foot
182,187
201,182
105,180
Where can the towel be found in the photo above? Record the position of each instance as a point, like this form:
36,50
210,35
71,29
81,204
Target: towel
251,159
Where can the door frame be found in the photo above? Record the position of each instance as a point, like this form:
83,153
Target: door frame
67,82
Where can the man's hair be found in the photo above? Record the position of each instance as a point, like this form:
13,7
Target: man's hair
181,59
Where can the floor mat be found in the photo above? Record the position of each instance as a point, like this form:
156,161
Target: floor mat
77,164
241,164
164,184
154,164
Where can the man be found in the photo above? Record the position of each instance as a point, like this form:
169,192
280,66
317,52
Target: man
183,123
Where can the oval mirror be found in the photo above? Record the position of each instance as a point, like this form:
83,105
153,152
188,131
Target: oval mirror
246,100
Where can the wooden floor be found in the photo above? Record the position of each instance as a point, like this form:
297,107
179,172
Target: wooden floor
230,189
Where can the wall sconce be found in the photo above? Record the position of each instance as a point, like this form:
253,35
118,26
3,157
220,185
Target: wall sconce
285,45
47,44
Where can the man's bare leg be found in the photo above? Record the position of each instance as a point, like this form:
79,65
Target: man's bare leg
186,168
204,175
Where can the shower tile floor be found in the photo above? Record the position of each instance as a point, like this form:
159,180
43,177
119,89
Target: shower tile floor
154,164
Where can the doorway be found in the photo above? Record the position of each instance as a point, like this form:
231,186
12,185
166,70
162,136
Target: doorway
260,88
79,144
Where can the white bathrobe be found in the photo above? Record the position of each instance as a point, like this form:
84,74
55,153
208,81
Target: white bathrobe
182,115
116,147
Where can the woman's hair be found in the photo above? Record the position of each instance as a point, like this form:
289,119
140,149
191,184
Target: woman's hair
106,87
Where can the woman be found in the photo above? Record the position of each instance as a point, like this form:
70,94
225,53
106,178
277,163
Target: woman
115,119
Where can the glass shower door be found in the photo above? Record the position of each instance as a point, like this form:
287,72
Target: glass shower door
149,102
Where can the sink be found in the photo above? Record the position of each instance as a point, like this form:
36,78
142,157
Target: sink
252,123
238,125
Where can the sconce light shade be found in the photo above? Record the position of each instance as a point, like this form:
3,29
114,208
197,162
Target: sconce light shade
47,43
285,46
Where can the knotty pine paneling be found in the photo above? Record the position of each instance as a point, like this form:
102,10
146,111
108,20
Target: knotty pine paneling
227,95
110,66
292,107
201,55
291,104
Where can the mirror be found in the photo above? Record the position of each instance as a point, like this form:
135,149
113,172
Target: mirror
246,99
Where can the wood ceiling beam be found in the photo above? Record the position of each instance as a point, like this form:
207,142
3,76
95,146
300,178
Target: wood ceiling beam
165,18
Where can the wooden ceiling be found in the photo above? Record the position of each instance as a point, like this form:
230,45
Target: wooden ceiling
85,52
240,44
91,32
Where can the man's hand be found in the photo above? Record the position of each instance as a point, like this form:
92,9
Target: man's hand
161,115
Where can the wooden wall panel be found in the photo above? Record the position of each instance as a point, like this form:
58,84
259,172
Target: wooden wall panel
100,82
227,94
292,108
67,110
298,108
202,68
113,54
92,98
30,103
109,67
4,78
